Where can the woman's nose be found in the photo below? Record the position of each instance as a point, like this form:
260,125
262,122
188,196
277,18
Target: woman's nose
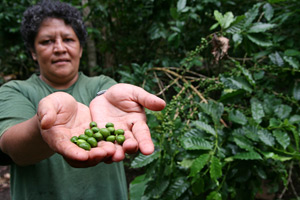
59,46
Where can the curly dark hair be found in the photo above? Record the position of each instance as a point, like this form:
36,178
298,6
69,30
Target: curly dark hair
34,16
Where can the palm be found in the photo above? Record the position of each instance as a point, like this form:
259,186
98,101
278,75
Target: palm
123,105
61,117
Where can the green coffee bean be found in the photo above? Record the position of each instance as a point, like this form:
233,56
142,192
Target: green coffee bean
111,129
109,124
111,138
85,145
83,136
93,124
120,139
79,141
105,132
98,136
119,132
74,139
88,132
92,141
95,129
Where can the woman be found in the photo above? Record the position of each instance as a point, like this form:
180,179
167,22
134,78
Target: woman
40,115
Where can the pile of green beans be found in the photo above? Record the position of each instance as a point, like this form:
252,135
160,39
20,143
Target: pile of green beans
94,134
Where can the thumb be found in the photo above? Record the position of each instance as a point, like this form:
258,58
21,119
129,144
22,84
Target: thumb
47,112
123,91
148,100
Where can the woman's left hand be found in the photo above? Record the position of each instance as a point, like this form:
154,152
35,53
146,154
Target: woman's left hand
123,105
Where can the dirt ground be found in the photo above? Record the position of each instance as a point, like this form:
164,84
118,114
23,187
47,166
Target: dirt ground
4,183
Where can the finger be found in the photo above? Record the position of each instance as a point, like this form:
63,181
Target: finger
108,147
119,154
97,154
81,164
47,113
142,135
148,100
130,144
136,94
55,103
72,152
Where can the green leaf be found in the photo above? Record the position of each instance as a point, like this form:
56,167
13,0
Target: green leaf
157,188
198,186
177,188
266,137
282,138
251,155
292,52
143,160
269,11
213,109
186,163
259,27
274,123
214,26
203,126
276,59
137,187
237,26
251,132
237,117
272,155
215,169
251,14
225,20
292,61
196,143
229,95
296,137
181,5
198,164
282,111
172,37
260,41
243,143
237,39
174,13
246,73
236,83
257,110
214,195
294,119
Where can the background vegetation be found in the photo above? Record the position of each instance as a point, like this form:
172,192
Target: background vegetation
229,70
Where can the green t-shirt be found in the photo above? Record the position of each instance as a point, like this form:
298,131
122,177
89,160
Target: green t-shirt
54,178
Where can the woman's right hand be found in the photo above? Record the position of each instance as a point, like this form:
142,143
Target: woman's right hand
61,117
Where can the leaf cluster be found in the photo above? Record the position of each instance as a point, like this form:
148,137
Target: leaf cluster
233,122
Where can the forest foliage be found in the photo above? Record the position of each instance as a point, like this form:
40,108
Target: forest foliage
229,71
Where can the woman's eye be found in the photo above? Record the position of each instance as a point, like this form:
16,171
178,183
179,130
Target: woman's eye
45,42
68,40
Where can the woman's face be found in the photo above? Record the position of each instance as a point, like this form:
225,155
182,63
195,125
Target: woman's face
58,52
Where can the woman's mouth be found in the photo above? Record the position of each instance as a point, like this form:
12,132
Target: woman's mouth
60,61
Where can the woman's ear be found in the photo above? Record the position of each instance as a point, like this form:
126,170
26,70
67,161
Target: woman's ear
33,54
81,51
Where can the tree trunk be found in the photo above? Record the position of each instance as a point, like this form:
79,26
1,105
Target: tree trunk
91,47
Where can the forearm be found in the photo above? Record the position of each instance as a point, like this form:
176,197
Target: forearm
24,143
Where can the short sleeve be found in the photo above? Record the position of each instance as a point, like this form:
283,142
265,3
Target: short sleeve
14,107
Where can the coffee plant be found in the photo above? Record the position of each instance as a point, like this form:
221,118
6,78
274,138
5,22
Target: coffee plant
231,127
